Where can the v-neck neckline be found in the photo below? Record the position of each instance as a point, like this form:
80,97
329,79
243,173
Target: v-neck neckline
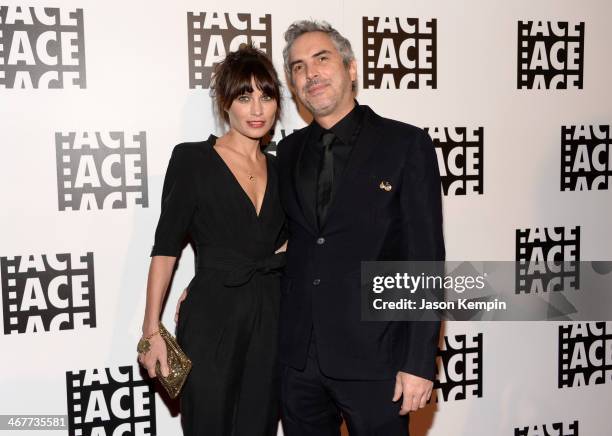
253,207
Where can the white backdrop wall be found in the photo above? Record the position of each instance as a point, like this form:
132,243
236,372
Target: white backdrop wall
124,76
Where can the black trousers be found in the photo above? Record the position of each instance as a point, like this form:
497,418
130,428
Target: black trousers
314,404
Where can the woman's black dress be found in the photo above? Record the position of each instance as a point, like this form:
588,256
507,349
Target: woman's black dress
228,323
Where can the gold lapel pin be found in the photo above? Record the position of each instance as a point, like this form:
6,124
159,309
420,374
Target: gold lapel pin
385,186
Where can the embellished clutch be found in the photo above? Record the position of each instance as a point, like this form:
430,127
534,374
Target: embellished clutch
179,364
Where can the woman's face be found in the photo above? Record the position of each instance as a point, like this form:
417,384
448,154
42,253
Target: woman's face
252,114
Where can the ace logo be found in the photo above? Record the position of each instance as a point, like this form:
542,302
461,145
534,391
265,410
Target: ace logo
101,170
42,293
280,134
586,158
459,366
547,259
110,402
460,159
550,55
212,35
554,429
399,53
41,48
585,354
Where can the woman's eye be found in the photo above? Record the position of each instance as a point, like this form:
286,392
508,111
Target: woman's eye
266,98
244,98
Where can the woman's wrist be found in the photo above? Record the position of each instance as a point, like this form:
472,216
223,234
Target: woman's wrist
149,329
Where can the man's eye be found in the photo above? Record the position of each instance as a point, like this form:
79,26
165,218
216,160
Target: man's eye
297,68
323,58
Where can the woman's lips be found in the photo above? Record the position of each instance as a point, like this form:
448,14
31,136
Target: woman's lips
256,124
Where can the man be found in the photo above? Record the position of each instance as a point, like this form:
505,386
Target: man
355,187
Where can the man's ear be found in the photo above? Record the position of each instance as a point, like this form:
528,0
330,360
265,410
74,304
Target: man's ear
352,68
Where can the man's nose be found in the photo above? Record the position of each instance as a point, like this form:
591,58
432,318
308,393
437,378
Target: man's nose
311,72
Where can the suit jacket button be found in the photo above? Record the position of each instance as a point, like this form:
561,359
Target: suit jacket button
321,241
316,282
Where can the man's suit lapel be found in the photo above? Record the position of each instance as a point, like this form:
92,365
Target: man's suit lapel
365,145
305,198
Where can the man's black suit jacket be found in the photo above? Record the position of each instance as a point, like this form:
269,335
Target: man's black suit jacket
321,285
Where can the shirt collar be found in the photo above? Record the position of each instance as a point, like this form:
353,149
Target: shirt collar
344,128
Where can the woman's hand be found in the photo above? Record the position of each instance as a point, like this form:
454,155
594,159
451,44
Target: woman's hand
157,352
282,249
178,304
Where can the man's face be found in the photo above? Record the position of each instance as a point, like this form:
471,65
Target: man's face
321,80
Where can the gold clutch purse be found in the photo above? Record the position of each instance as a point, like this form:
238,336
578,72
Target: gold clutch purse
178,363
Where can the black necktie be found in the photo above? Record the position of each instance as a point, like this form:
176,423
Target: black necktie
326,176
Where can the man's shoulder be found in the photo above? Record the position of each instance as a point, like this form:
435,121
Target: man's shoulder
294,136
291,140
393,127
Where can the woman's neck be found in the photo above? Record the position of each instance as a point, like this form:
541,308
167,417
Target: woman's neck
243,145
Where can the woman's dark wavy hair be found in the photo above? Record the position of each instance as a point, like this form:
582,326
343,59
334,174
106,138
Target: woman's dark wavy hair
232,78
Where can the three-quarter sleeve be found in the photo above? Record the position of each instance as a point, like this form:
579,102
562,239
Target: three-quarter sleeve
179,199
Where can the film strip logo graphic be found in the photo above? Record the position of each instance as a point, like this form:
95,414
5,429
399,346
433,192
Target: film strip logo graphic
554,429
547,259
550,55
586,158
101,170
42,293
585,354
459,366
42,48
460,154
211,35
399,53
110,401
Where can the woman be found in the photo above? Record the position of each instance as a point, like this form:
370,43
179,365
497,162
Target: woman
223,194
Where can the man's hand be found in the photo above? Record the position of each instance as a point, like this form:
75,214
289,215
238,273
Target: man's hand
178,304
415,390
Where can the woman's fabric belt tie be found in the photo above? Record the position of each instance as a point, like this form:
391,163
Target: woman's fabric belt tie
240,268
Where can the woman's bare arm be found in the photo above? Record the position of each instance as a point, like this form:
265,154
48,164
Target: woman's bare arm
160,272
